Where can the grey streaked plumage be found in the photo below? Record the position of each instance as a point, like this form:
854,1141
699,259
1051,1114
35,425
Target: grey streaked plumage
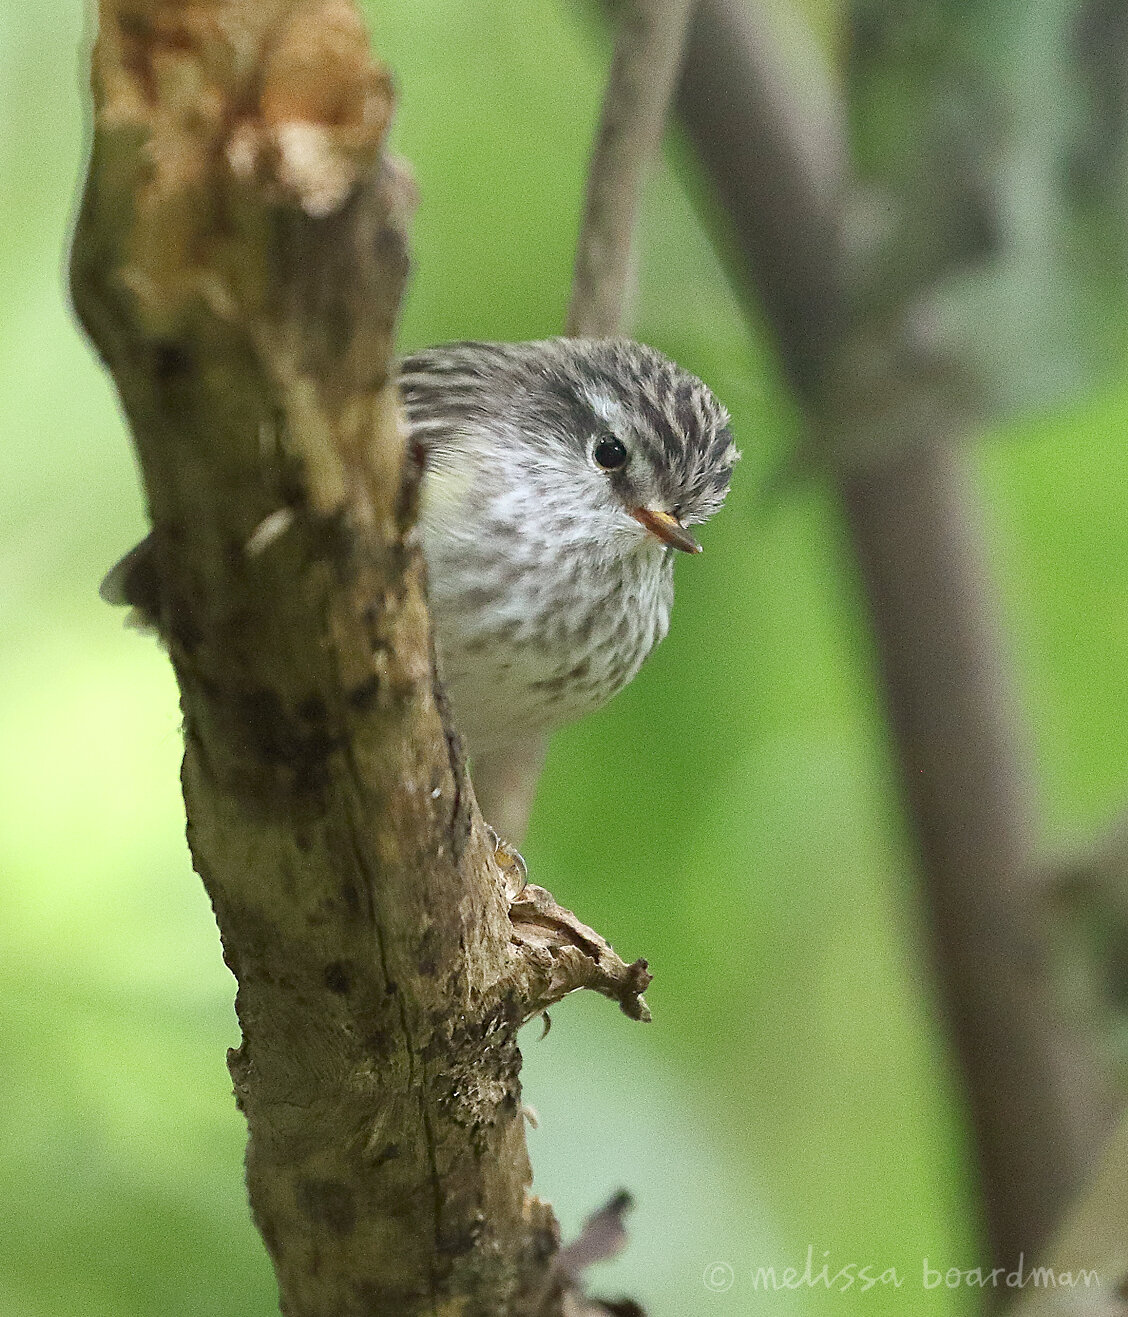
547,593
550,574
551,391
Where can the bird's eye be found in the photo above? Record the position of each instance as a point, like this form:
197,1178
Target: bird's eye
610,454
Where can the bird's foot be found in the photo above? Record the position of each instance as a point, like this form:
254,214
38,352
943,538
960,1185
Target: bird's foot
512,865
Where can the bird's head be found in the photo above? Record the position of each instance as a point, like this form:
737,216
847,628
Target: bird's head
600,441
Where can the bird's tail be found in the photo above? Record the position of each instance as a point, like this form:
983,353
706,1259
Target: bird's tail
132,583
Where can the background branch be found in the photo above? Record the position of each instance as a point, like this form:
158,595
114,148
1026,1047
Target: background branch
1094,1239
888,408
644,68
771,138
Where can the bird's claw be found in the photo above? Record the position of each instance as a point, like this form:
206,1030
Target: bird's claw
512,865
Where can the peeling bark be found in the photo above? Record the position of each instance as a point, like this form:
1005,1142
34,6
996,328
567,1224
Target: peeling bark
238,262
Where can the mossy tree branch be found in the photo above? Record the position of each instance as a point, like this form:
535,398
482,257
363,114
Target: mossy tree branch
238,263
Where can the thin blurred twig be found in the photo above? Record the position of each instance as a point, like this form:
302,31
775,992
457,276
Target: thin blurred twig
644,69
887,415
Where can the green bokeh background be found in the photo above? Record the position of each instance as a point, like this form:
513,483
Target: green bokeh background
732,816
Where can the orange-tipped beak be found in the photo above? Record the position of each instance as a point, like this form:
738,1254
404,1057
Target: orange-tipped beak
667,528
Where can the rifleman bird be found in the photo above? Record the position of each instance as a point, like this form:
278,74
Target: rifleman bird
559,478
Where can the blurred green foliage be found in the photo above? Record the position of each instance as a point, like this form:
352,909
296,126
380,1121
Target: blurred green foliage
732,816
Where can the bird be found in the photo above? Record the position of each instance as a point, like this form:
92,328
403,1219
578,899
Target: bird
560,479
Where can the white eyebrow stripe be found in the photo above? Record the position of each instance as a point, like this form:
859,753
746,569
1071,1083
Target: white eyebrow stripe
605,407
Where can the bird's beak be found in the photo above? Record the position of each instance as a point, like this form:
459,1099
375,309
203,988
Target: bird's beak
667,528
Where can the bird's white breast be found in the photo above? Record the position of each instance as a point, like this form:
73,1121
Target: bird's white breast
536,623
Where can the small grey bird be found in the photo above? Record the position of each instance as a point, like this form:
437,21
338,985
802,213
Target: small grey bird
559,476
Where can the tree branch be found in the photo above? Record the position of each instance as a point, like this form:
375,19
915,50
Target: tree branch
648,50
773,146
888,410
1036,1094
560,955
1093,1239
238,262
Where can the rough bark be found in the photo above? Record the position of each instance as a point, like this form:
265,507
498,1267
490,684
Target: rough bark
238,263
888,410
